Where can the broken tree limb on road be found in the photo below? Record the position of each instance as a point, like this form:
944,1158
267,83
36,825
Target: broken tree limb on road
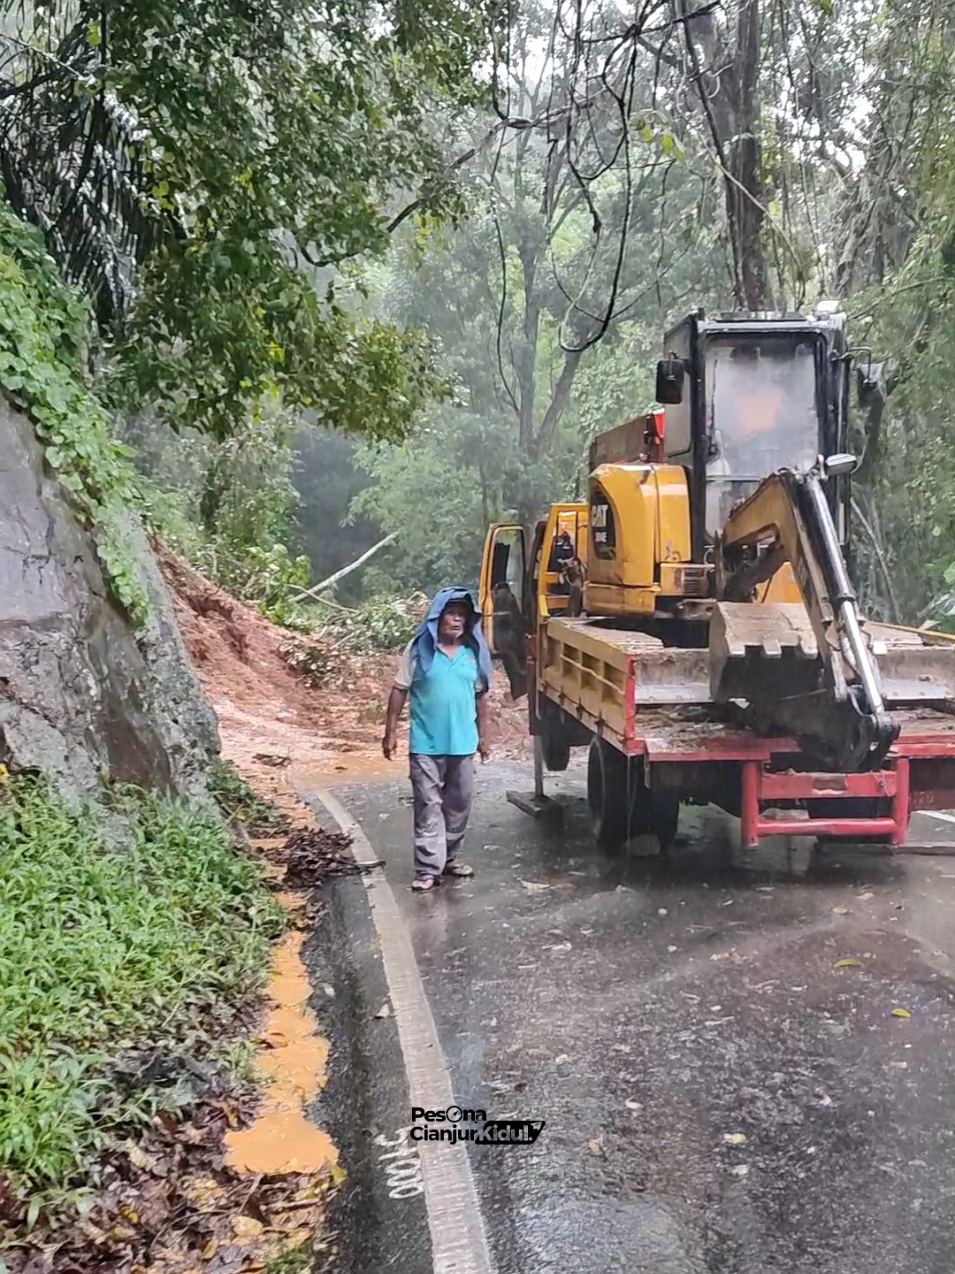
347,570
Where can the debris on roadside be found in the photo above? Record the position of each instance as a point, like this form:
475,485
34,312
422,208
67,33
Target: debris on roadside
314,854
167,1202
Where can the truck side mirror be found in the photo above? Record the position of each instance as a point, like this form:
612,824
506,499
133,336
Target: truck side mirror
833,466
670,374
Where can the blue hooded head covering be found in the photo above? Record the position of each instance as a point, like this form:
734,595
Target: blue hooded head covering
425,640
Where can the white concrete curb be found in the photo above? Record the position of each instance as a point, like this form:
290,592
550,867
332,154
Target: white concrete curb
458,1239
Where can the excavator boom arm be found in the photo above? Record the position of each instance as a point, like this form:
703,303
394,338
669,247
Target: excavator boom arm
831,692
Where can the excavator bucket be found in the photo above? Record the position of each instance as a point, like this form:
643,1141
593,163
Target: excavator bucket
769,651
915,666
760,650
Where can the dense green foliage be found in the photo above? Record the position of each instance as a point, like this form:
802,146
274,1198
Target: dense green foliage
535,375
224,182
205,172
102,942
901,279
846,192
228,505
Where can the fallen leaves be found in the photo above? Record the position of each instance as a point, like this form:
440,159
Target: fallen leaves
734,1138
901,1013
247,1227
314,854
596,1147
168,1205
268,758
848,963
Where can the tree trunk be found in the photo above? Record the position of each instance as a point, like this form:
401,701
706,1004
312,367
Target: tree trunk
726,78
744,184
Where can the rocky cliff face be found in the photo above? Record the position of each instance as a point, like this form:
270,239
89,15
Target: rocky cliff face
81,693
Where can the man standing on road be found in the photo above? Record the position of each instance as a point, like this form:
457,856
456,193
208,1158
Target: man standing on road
446,672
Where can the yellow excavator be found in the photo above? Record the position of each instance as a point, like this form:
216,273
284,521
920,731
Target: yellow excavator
694,622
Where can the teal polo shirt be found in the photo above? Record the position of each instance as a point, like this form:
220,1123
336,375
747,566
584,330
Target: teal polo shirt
442,702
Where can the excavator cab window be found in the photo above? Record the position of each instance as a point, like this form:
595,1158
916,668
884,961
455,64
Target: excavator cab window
762,414
559,574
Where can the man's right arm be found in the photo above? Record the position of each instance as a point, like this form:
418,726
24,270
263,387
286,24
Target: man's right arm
396,701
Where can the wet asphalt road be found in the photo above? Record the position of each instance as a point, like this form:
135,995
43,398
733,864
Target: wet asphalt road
720,1094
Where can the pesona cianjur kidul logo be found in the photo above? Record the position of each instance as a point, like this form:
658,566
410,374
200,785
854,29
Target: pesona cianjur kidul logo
458,1123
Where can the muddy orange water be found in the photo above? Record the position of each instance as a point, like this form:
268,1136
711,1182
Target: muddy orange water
359,768
292,1058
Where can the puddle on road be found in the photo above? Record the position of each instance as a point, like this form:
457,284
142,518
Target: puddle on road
292,1058
339,771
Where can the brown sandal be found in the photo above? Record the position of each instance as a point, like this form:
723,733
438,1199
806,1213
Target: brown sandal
458,869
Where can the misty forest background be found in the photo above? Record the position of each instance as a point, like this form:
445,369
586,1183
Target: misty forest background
387,272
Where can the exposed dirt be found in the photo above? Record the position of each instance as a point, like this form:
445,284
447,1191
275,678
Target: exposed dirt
275,729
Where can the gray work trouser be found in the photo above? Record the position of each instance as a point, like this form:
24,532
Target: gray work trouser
442,787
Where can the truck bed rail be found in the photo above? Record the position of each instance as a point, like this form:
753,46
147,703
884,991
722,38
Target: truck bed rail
652,704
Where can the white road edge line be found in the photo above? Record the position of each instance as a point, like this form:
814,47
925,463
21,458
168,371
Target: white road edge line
459,1242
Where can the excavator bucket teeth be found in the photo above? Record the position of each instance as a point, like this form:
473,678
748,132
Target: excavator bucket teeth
760,649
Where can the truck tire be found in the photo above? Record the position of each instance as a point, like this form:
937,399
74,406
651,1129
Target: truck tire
608,795
555,748
656,813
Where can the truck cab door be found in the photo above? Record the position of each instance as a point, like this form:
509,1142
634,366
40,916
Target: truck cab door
501,600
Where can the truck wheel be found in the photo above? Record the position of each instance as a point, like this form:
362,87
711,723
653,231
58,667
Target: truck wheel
656,813
608,795
555,749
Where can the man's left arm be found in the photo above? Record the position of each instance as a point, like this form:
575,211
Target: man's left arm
483,721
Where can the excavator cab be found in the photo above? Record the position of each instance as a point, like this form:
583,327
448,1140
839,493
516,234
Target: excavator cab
744,396
747,395
519,589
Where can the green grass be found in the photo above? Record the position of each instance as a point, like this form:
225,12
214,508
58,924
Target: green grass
294,1260
106,946
239,803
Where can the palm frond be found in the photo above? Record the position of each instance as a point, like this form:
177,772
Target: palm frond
73,160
